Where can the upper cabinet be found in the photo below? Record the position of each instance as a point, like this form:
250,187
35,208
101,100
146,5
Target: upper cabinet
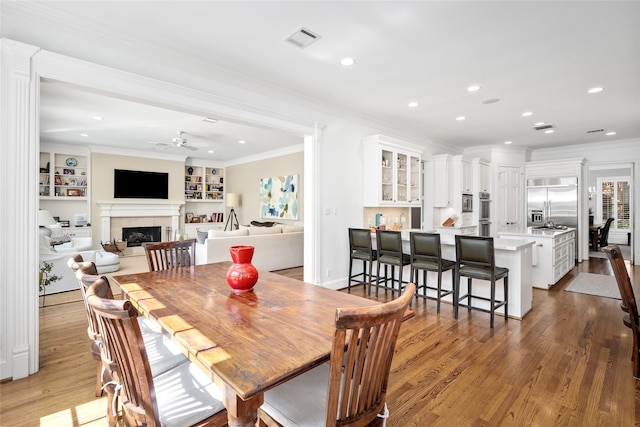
443,175
63,176
203,183
392,172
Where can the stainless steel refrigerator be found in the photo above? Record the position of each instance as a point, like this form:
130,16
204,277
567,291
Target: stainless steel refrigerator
552,201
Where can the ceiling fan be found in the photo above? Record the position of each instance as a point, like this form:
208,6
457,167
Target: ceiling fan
179,142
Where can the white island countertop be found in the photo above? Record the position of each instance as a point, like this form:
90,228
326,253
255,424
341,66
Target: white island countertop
539,233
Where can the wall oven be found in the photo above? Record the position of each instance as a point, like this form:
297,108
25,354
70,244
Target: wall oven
484,214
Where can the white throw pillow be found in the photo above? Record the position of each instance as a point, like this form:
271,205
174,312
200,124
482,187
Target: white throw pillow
230,233
264,230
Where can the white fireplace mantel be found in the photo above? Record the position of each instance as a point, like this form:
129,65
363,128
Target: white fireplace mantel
147,208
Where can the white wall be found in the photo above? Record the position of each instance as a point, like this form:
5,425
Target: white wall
244,179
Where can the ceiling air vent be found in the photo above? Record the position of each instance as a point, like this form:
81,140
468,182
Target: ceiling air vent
595,130
543,127
302,38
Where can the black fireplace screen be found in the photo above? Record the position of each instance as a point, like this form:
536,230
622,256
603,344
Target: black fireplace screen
136,236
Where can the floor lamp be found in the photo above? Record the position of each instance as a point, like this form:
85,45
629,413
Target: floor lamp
233,200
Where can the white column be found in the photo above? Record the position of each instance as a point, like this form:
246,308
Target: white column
18,214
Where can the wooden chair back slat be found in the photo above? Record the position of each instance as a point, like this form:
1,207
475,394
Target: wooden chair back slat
168,255
361,354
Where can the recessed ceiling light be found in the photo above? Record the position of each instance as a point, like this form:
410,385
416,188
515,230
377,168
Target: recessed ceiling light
460,118
209,120
527,114
610,133
97,118
539,124
347,62
508,142
242,141
473,88
549,131
595,90
413,104
210,151
84,134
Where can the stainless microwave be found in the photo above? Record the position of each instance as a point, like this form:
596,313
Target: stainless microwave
467,203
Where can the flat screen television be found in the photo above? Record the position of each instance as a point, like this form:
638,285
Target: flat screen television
129,184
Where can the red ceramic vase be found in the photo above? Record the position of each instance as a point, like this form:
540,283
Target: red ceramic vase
242,275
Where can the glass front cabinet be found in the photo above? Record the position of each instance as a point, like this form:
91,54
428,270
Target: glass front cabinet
392,172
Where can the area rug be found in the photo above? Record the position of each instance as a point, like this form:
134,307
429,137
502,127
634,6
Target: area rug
595,284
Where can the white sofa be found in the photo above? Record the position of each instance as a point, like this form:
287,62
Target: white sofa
276,248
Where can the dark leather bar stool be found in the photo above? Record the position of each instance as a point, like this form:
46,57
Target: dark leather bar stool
389,244
360,248
475,259
426,255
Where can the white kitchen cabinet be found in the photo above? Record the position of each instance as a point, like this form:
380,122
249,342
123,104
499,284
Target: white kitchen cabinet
554,255
442,181
392,174
509,201
467,177
484,177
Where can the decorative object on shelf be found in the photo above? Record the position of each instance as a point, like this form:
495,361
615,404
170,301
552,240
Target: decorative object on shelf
190,170
71,162
64,223
213,171
188,217
114,246
74,192
242,275
233,200
279,197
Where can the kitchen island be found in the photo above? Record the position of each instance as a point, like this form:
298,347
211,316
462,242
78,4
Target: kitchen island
554,253
514,254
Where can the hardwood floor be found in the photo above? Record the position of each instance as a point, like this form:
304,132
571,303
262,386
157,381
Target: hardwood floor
567,363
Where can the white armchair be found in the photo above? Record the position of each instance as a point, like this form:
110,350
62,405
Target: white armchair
105,262
68,281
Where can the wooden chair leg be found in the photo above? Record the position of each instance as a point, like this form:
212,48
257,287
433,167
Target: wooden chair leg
99,380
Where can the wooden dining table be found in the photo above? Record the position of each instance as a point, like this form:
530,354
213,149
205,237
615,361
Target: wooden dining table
247,343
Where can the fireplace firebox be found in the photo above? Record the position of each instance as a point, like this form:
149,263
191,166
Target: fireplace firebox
136,236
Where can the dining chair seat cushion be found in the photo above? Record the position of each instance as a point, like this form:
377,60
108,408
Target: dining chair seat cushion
482,273
186,396
301,401
432,265
163,355
394,259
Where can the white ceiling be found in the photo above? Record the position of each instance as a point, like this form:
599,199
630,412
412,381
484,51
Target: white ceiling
532,56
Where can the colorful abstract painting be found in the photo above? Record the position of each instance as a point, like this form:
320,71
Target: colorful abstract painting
279,197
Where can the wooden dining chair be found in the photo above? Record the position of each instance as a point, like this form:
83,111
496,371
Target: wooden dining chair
168,255
351,390
630,319
181,396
